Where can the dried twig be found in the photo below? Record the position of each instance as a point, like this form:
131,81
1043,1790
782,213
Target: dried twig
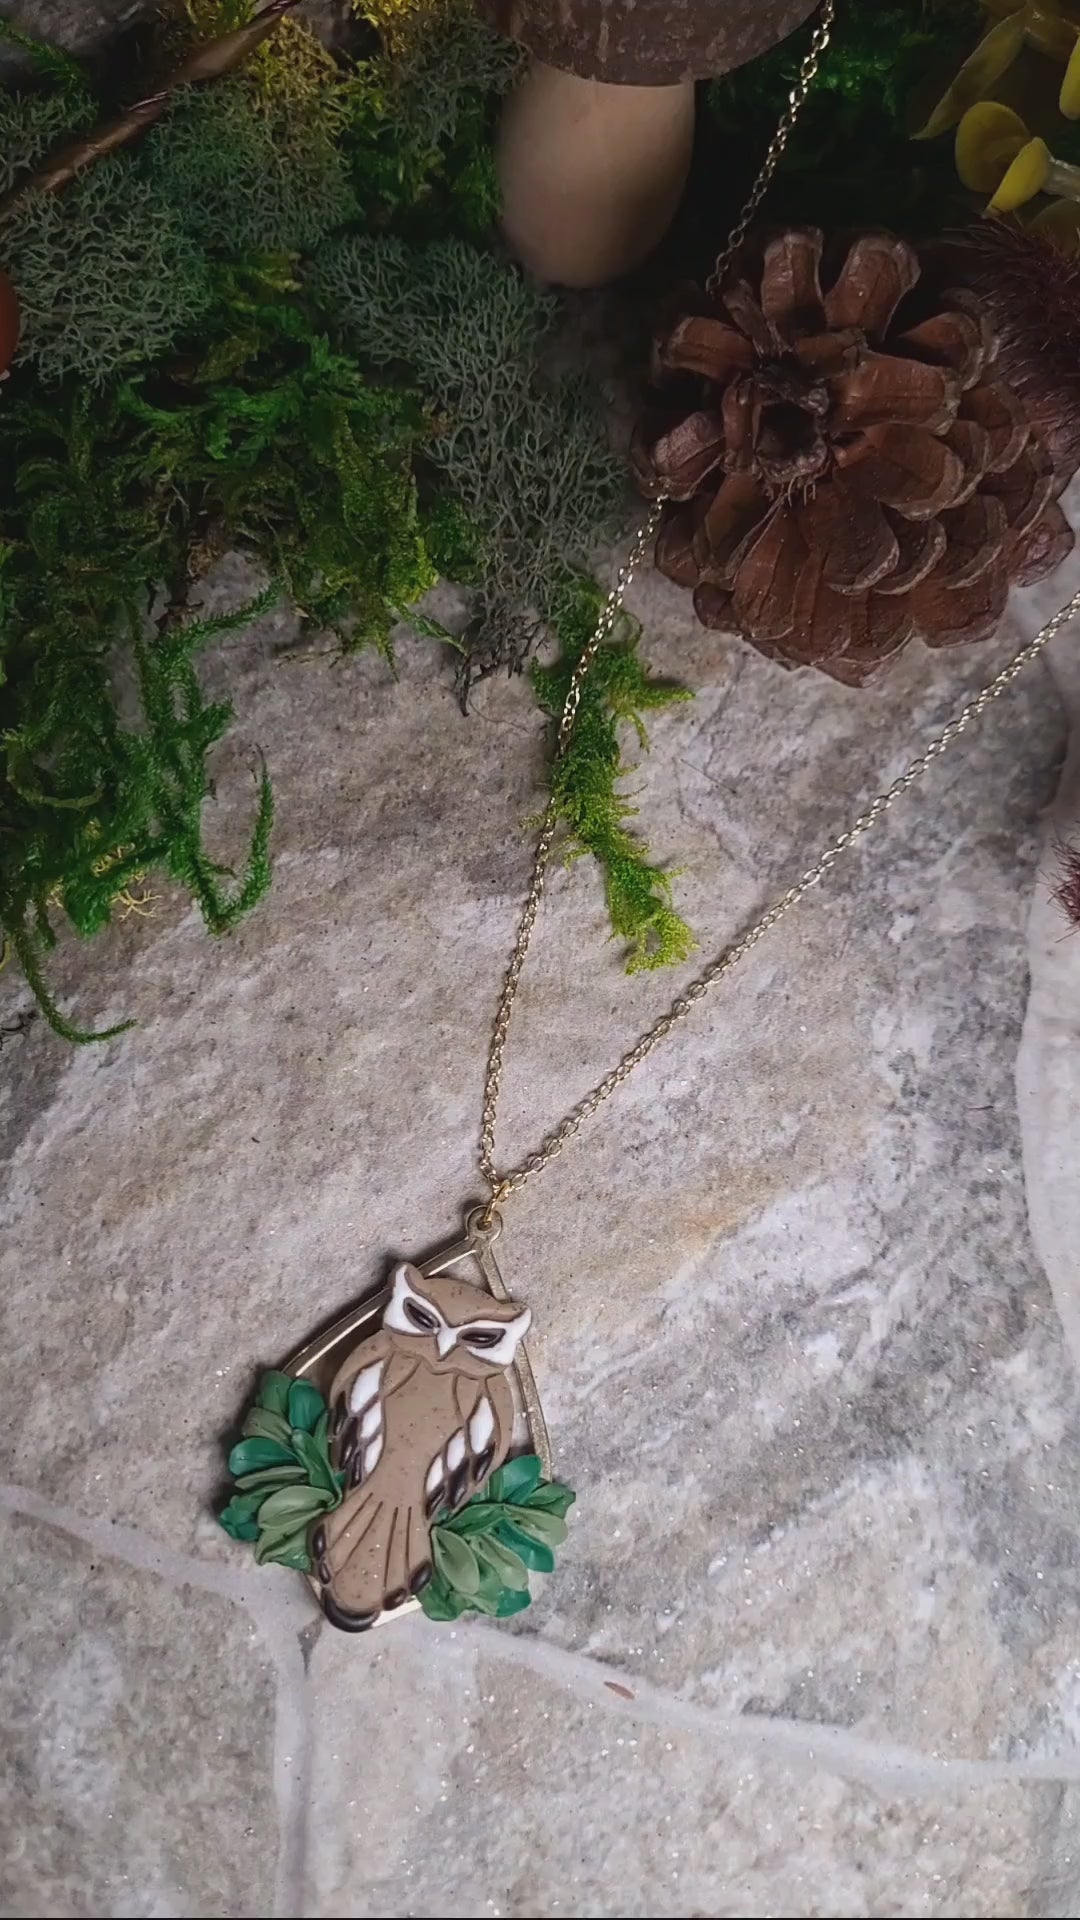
208,62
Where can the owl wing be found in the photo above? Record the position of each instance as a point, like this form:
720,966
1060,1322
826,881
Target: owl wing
475,1447
373,1372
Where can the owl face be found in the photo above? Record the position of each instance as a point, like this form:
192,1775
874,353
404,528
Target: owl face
452,1327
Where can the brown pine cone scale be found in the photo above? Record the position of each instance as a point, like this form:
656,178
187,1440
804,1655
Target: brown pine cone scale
844,466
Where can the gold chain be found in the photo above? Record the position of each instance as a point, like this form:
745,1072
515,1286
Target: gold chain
808,73
553,1143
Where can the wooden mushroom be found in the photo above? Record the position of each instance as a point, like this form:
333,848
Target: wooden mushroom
595,144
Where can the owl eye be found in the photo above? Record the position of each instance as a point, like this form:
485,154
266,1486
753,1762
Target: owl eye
421,1317
482,1336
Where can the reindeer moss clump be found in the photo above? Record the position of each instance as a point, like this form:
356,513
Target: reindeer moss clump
521,440
108,276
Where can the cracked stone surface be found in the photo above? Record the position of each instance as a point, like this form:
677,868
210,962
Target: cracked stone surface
808,1319
138,1724
806,1333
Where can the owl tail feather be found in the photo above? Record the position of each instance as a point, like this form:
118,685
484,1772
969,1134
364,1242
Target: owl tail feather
370,1557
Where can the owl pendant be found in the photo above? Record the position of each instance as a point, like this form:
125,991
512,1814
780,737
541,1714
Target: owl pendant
421,1415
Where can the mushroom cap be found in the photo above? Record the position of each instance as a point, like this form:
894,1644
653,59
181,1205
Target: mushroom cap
988,140
1026,177
645,43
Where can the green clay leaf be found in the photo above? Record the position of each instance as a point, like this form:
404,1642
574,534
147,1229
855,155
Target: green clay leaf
513,1601
293,1504
536,1554
270,1477
314,1461
515,1480
551,1496
488,1594
288,1549
321,1435
238,1518
456,1561
478,1517
248,1456
507,1566
274,1392
439,1601
537,1525
261,1425
294,1554
306,1405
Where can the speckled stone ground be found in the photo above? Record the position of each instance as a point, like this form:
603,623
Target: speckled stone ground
808,1323
813,1646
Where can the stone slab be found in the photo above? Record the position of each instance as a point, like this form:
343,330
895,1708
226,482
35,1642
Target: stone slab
137,1749
511,1799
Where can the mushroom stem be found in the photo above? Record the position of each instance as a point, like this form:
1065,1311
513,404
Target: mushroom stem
1064,179
591,174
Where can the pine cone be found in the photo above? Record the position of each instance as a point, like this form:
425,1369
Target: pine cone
848,470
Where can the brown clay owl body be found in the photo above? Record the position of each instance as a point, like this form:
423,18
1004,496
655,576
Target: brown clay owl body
421,1415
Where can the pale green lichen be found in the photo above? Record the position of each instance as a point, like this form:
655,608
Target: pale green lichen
524,443
107,275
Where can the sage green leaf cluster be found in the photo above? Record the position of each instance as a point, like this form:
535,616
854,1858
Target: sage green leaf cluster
483,1555
282,1472
586,779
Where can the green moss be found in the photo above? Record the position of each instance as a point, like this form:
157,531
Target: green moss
585,781
851,160
91,800
206,362
255,164
31,124
421,118
274,441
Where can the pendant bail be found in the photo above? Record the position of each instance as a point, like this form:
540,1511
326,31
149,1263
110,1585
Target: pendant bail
486,1217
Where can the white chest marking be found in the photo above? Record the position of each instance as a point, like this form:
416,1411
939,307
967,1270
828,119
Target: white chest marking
365,1387
481,1426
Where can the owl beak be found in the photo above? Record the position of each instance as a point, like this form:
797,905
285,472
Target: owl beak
445,1340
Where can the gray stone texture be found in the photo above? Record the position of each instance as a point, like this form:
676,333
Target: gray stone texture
799,1353
807,1307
